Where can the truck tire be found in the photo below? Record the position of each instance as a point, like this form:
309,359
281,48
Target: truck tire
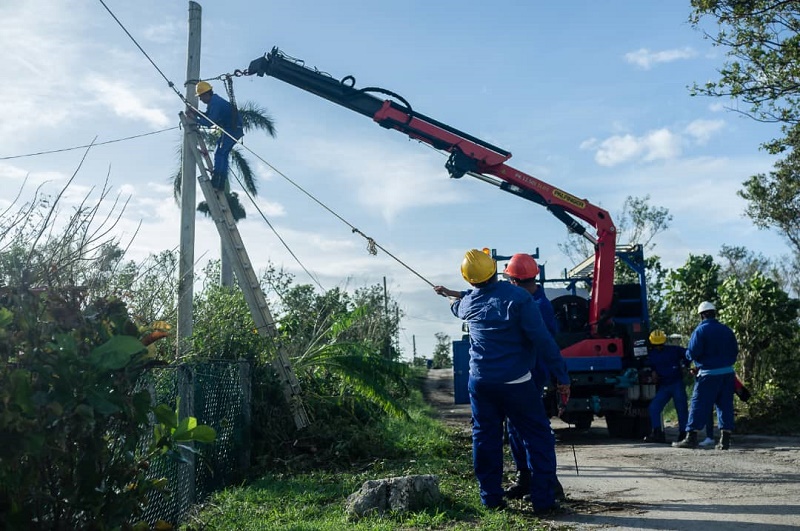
581,421
621,426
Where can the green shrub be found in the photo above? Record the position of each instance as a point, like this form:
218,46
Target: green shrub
75,436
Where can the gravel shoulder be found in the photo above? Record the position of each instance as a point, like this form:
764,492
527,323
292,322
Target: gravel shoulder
626,485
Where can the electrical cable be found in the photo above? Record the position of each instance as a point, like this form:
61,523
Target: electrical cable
89,145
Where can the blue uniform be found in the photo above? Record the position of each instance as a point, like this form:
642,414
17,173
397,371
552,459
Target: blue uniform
542,370
504,323
221,112
668,362
713,349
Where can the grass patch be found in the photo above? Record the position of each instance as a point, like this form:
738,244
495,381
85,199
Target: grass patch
316,500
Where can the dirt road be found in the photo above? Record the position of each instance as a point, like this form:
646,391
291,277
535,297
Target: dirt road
626,485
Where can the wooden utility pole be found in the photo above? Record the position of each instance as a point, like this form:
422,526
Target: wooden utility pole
188,192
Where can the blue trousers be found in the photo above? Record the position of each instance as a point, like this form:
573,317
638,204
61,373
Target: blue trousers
224,147
675,392
491,404
710,391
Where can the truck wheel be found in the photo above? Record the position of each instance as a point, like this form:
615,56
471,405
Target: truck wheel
581,421
620,426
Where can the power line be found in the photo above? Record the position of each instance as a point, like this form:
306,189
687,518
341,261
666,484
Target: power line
89,145
372,245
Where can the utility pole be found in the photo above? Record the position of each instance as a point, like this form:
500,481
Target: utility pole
188,192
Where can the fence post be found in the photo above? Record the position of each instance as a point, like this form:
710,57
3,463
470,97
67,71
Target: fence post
247,408
186,409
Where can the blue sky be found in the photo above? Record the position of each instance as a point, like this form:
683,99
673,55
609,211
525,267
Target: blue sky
590,97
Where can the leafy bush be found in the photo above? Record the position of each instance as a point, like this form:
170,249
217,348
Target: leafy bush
75,440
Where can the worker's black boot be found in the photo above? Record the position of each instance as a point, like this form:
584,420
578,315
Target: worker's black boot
218,181
656,436
724,440
520,487
559,491
690,441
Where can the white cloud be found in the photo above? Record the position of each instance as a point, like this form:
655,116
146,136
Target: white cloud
118,96
655,145
382,179
701,130
644,58
661,144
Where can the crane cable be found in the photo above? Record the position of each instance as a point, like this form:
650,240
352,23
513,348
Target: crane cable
372,245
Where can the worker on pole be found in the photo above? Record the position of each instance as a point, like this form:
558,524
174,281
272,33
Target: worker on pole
220,113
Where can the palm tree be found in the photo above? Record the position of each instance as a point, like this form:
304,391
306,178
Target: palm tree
254,117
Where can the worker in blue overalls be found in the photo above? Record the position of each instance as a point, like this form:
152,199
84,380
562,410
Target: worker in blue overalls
713,349
221,113
668,363
522,271
506,332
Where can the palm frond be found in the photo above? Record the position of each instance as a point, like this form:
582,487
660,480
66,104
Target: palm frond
255,117
358,363
245,171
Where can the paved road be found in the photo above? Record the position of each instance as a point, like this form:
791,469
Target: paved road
626,485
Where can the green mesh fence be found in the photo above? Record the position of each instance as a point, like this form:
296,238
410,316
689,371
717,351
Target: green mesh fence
218,395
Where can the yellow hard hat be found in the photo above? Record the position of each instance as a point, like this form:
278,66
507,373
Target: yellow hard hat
202,87
658,337
477,267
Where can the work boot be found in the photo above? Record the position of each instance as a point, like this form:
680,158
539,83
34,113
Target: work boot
690,441
520,487
558,490
218,181
656,436
724,440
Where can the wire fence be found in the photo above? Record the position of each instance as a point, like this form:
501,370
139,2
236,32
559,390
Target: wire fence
218,394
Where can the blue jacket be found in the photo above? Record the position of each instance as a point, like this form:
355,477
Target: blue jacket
667,361
545,366
546,309
504,322
220,112
713,346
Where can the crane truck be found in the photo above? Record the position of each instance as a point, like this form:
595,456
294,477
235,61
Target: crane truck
603,336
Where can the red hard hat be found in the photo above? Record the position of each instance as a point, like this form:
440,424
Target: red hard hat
522,267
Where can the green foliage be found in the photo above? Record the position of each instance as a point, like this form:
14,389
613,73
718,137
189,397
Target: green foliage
337,349
441,352
656,279
686,287
75,445
224,327
764,319
762,42
763,46
773,201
